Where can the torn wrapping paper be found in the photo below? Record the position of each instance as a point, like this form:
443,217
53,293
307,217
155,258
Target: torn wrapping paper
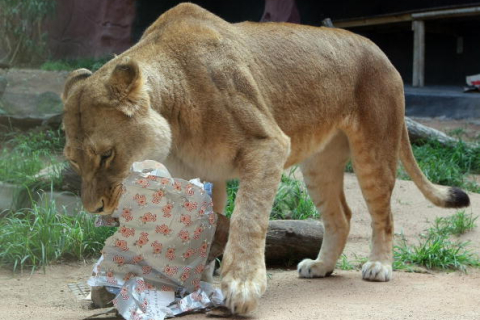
155,260
473,83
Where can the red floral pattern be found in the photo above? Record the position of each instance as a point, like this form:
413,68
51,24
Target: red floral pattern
164,225
167,210
186,219
127,232
158,196
148,217
184,235
163,229
143,240
141,200
127,214
143,182
119,260
157,247
190,206
170,254
121,244
170,271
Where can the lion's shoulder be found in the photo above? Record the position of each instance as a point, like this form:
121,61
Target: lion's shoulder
183,16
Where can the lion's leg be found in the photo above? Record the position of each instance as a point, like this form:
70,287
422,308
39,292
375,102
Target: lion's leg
374,157
219,197
323,174
244,278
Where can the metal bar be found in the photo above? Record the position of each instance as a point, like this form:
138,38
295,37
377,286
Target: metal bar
395,18
418,53
372,21
446,13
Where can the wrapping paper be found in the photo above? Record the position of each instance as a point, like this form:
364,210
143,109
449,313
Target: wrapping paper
155,260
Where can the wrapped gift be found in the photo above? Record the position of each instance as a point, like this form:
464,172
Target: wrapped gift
158,254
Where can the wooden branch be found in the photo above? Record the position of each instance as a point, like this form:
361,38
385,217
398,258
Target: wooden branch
290,241
420,134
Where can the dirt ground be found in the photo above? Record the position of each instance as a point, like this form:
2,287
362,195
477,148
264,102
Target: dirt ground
436,295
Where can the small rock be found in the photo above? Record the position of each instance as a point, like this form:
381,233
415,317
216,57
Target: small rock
49,102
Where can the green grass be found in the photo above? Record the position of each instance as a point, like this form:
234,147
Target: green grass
448,166
24,155
92,64
232,189
344,263
436,249
37,237
456,224
291,201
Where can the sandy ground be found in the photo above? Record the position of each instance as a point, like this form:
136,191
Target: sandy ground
436,295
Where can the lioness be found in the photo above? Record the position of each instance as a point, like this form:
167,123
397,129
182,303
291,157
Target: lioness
220,101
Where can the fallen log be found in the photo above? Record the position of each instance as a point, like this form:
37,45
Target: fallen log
420,134
290,241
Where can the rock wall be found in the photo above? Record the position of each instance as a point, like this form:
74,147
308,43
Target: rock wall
90,28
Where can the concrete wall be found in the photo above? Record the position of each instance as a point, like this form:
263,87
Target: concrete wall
90,28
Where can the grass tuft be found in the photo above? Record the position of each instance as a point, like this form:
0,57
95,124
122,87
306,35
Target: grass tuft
344,264
447,165
456,224
24,155
291,201
435,251
39,236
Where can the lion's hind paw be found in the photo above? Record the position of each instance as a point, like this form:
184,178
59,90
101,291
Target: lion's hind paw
377,271
309,268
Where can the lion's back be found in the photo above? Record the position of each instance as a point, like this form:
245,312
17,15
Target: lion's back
292,67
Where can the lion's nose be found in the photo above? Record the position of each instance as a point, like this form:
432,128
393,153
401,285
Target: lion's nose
100,207
95,208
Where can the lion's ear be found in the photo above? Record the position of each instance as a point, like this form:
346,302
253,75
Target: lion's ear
127,88
73,78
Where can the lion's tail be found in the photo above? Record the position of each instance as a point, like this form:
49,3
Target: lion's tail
447,197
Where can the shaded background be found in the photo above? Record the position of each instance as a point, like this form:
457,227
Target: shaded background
100,28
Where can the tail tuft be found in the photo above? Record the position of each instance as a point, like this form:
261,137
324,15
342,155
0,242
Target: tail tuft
457,198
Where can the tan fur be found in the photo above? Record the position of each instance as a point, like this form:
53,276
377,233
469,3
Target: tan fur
219,101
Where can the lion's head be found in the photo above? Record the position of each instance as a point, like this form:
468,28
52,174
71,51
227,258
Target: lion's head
109,124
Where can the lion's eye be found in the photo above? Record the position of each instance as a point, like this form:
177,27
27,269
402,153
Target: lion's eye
74,164
106,156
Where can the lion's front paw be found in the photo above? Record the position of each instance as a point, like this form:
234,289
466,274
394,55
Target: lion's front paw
376,271
309,268
242,297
